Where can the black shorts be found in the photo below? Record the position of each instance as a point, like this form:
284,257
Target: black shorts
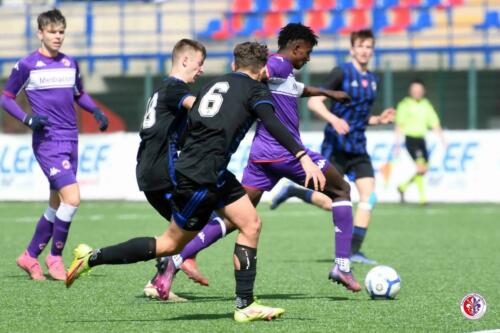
355,166
159,200
192,204
417,148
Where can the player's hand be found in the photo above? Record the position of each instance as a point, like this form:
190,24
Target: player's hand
338,96
101,118
341,126
36,123
313,173
387,116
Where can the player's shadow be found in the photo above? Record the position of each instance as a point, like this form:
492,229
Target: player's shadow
198,316
200,298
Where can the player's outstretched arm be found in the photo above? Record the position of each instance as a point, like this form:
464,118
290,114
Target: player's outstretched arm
386,117
265,112
86,103
317,105
336,95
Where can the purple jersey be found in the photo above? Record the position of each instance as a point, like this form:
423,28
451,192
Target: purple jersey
285,92
51,85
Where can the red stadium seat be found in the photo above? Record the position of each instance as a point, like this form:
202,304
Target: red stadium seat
401,21
281,5
358,20
324,4
410,3
316,20
241,6
230,27
272,24
450,3
364,4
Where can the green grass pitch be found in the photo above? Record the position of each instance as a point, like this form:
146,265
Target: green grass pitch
441,252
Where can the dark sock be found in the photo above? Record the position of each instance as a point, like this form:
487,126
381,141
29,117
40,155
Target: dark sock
131,251
358,235
245,276
302,193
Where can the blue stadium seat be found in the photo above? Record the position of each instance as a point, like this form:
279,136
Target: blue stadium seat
345,4
212,26
431,3
253,22
379,19
295,17
424,21
303,5
491,20
336,23
386,3
262,6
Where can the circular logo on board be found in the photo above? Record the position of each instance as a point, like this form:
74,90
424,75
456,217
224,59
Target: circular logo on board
473,306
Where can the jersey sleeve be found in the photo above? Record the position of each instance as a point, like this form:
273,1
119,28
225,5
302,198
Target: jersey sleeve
176,94
260,94
278,69
334,79
17,80
431,117
78,81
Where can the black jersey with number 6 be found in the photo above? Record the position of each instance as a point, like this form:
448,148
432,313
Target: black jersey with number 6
220,118
164,121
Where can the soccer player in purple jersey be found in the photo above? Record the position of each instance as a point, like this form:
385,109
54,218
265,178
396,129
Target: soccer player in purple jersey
269,161
51,81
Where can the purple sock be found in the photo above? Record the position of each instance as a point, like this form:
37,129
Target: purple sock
41,237
212,232
59,236
342,218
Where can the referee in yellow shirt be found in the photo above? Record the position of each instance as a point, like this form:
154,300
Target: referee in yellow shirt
414,116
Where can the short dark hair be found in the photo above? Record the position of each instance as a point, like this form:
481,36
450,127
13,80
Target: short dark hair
250,55
417,81
363,34
296,31
50,17
188,44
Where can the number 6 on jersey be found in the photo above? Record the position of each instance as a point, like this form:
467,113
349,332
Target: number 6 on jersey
212,100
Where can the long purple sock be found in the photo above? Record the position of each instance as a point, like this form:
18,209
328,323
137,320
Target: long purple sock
212,232
59,236
41,237
342,218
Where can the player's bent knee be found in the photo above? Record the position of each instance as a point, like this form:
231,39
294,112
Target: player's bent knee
252,227
368,204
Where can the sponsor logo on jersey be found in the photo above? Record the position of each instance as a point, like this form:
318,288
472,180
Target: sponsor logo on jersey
288,86
54,171
40,63
473,306
50,78
354,84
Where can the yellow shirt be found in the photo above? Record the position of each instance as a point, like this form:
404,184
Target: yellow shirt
416,117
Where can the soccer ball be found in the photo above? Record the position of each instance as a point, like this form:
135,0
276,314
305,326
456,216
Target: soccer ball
382,282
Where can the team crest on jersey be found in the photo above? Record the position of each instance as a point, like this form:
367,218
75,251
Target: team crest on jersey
374,85
364,83
354,84
66,62
66,164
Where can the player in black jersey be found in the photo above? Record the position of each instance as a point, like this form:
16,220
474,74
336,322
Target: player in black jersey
223,112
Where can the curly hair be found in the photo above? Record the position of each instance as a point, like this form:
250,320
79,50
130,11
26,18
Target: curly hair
296,31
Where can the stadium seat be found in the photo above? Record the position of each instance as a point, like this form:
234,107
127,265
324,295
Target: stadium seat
364,4
212,26
379,19
358,20
324,4
230,26
431,3
345,4
281,5
241,6
401,21
410,3
316,20
336,23
303,5
386,3
450,3
491,20
295,17
423,21
273,22
262,6
253,22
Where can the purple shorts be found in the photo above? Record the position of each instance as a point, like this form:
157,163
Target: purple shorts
58,160
265,175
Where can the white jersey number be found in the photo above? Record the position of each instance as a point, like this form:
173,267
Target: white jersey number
212,100
150,116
